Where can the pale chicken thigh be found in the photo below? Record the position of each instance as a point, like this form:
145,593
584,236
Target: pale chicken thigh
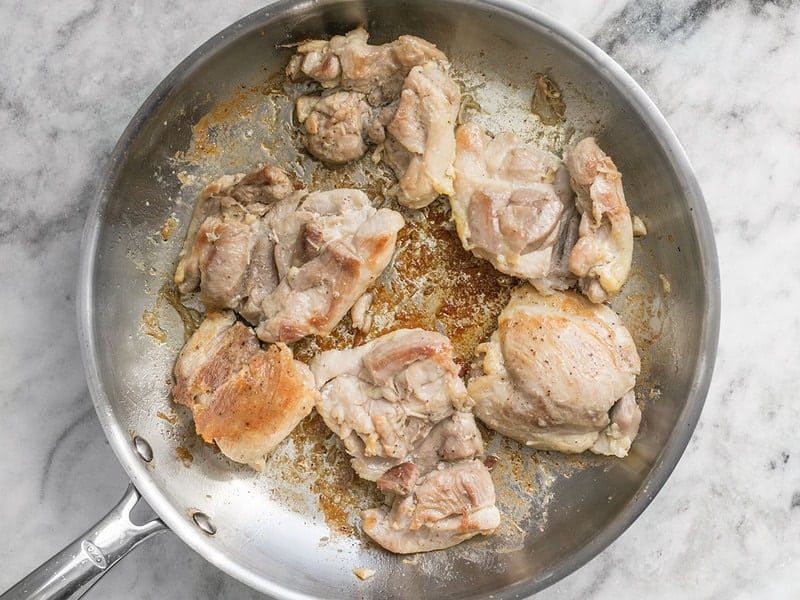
244,398
291,265
448,505
558,374
357,79
335,125
454,438
402,411
327,253
513,206
602,255
348,62
398,95
228,248
384,398
419,140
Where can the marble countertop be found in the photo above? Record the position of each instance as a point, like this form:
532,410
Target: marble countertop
724,73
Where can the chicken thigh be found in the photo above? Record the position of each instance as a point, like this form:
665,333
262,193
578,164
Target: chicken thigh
447,506
327,253
290,263
349,63
335,125
244,398
228,248
558,374
419,140
513,206
384,398
357,80
602,255
398,95
403,414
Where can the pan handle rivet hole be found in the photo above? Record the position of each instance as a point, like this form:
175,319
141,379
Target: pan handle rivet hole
143,448
203,521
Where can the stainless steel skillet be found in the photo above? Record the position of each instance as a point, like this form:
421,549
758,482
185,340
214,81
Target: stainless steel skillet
269,530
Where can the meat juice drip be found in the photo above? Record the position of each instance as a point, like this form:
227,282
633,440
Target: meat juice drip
190,317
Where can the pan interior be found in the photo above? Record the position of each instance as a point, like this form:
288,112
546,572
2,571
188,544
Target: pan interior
292,530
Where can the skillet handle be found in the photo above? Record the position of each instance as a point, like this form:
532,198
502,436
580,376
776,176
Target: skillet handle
70,573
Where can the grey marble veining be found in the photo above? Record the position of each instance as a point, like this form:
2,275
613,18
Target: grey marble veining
723,72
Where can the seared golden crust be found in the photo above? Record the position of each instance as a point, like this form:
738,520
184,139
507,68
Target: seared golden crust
244,398
259,396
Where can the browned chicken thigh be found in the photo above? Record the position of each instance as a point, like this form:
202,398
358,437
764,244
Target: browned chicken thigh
244,398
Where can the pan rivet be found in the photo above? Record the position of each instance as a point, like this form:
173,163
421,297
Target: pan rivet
204,523
143,448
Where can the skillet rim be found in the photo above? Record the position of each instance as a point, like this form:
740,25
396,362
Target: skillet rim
606,68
